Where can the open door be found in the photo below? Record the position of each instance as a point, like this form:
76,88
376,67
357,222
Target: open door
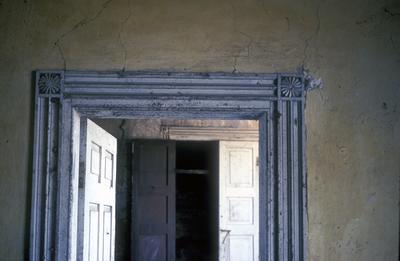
154,200
239,201
96,194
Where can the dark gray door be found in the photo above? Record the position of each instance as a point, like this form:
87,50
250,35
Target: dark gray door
154,200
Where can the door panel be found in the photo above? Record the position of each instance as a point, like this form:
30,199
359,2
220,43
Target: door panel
108,169
153,248
240,164
96,235
154,215
241,210
107,227
239,201
241,247
93,231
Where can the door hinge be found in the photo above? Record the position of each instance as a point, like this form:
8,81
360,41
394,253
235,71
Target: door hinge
257,161
133,147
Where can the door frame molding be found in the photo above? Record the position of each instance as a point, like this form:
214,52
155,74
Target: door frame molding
63,97
208,133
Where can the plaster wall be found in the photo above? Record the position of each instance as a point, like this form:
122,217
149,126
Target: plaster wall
353,129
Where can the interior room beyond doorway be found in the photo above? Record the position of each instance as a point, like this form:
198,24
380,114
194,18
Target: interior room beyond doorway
197,183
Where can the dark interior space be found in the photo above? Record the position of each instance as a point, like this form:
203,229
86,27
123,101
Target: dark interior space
196,200
123,201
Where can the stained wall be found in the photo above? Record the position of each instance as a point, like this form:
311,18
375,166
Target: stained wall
352,123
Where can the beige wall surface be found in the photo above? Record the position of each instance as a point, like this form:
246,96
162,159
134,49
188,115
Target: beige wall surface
353,129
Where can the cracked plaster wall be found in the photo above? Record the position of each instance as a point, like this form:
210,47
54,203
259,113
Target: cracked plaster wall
352,123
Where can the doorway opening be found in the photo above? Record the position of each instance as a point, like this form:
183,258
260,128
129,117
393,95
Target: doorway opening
64,98
193,193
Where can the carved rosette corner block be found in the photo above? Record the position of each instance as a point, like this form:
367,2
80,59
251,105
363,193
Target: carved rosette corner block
291,87
49,83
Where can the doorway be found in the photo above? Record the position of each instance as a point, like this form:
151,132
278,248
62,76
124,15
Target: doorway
209,222
217,188
195,200
63,98
175,200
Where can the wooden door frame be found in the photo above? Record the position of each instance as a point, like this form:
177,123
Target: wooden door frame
63,97
198,133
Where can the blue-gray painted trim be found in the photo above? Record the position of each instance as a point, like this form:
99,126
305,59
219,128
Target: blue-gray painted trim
169,95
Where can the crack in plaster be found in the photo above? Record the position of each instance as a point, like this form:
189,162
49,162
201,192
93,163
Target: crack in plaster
62,56
28,6
122,43
312,36
264,8
247,46
393,42
287,23
28,15
122,128
390,12
85,21
234,65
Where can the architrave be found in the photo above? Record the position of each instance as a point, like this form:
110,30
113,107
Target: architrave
63,97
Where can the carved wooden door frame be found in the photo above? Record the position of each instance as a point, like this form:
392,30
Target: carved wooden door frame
63,97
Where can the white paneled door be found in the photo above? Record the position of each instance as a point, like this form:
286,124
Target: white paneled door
97,193
239,201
